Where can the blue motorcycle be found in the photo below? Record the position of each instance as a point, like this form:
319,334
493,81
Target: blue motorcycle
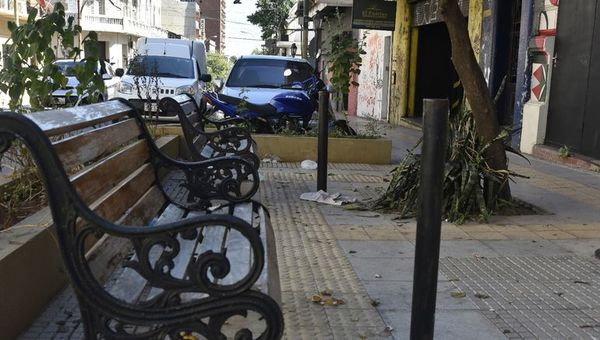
290,110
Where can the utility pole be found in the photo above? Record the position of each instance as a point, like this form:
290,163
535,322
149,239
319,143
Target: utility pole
305,29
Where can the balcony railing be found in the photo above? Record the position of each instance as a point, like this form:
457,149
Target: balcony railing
104,23
7,7
102,20
143,30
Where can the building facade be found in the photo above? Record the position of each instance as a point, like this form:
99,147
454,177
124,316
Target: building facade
118,24
180,18
562,109
374,79
422,65
212,22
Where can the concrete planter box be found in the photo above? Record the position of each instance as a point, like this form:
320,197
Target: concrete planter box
340,150
31,265
299,148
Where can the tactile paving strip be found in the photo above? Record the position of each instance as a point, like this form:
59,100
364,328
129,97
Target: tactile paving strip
282,177
532,297
310,261
332,166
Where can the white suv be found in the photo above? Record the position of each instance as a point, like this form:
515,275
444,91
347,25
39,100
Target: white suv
164,68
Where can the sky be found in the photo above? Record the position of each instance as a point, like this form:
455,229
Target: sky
241,37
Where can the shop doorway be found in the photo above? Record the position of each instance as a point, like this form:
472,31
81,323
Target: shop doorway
506,59
435,73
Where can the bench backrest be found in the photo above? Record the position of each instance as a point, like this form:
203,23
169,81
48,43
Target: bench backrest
106,155
104,152
190,119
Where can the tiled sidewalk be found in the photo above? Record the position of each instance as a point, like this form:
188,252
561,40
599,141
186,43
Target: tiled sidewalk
523,276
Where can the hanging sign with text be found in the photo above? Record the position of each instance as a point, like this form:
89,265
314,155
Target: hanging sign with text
374,14
428,11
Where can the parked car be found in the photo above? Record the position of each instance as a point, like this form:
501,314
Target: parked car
258,78
164,68
68,94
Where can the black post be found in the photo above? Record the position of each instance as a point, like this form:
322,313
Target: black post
323,134
429,218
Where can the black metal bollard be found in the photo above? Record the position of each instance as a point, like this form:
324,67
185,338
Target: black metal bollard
429,218
323,134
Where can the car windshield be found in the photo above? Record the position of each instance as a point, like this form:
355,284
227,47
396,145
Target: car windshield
67,68
161,66
267,73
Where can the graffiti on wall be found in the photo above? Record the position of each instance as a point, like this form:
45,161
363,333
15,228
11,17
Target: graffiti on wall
541,50
549,18
371,76
428,12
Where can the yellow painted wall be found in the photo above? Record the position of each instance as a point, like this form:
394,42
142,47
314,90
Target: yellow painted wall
4,32
403,61
400,63
475,24
412,75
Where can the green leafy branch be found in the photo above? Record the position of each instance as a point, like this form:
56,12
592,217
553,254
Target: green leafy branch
29,64
345,57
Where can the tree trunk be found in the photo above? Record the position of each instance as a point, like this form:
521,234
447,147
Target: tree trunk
476,91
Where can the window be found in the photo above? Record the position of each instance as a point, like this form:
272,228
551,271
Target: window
267,73
101,7
161,66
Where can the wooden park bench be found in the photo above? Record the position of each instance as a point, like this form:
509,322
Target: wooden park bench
229,139
154,247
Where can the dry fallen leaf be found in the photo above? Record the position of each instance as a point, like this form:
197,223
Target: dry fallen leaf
325,298
458,294
327,292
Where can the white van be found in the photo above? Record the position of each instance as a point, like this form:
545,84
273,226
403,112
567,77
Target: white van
164,68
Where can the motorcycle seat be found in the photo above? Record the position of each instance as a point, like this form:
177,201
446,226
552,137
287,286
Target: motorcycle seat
229,99
264,109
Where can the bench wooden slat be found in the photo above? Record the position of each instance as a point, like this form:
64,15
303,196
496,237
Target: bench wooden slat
56,122
118,200
110,251
269,283
238,246
94,181
92,144
171,213
129,285
186,251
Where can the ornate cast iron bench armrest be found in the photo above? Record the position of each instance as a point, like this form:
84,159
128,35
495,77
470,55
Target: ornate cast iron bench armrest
233,179
205,145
